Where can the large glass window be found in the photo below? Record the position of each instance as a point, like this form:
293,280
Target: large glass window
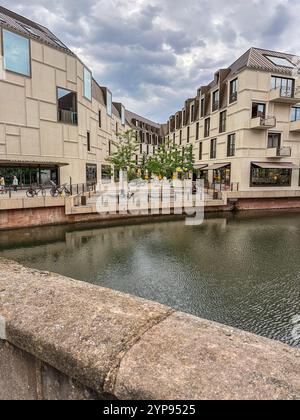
109,103
274,140
91,173
258,110
16,53
67,106
261,177
233,91
231,145
222,126
87,84
215,100
285,85
213,148
207,127
295,113
123,115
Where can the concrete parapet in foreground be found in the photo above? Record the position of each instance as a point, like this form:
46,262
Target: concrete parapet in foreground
65,339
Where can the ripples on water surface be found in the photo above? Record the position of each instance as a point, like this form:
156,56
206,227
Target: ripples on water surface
241,270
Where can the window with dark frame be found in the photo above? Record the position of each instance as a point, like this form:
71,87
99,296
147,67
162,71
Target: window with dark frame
207,127
192,113
215,100
286,86
88,141
274,140
197,131
233,91
222,125
202,110
91,173
174,138
295,113
109,148
180,137
67,106
231,145
200,150
213,148
99,119
258,110
188,135
269,177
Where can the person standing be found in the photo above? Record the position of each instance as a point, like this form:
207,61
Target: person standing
15,183
2,184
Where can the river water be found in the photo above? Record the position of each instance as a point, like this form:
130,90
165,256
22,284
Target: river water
241,270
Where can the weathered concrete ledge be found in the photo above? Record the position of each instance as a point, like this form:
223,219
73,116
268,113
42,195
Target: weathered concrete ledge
65,339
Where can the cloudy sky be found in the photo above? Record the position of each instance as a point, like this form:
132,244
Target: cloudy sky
153,54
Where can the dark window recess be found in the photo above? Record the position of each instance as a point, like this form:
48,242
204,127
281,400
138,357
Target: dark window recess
109,148
147,150
174,138
88,141
188,135
197,131
67,106
274,140
223,117
270,177
213,148
141,148
202,108
106,172
180,137
233,91
200,150
192,113
258,110
231,145
99,119
91,173
117,129
184,117
153,150
207,127
215,100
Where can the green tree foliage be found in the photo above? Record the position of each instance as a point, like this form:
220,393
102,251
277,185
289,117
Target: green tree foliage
123,159
170,158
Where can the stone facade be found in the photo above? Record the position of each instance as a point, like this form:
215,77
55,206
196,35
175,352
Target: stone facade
65,339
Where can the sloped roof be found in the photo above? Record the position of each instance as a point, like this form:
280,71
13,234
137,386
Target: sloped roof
256,58
132,116
27,27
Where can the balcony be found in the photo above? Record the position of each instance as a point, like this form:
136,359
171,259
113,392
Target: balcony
215,106
295,126
68,117
285,96
263,123
278,152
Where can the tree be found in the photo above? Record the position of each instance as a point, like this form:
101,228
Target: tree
170,158
123,159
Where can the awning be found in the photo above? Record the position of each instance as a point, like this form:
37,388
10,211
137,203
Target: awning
200,166
31,163
277,165
216,166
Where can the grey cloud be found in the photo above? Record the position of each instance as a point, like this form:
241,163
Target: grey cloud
156,53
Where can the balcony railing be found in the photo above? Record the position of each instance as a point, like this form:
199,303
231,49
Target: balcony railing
279,152
285,95
215,106
68,117
263,122
233,97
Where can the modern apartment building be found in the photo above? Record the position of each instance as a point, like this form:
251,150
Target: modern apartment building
245,125
56,121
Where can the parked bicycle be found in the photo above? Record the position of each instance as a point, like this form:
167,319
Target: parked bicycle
56,191
34,192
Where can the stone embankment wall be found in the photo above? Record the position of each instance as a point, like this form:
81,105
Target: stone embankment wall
65,339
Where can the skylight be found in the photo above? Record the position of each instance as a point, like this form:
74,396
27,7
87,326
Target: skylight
31,30
280,61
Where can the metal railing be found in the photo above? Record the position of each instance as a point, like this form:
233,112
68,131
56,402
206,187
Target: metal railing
267,121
